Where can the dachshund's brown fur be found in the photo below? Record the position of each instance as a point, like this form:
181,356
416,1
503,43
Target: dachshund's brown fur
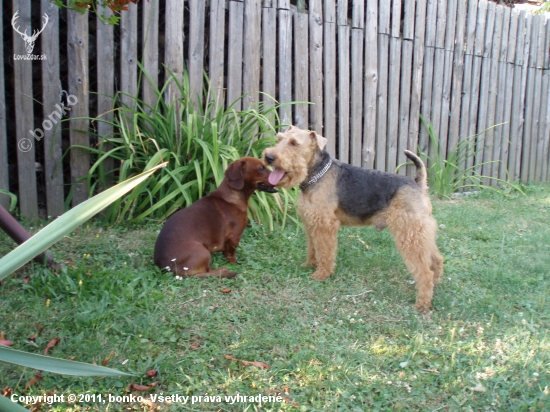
211,224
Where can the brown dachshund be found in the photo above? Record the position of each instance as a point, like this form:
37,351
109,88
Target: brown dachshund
211,224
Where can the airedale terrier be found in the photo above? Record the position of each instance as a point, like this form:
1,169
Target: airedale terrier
334,194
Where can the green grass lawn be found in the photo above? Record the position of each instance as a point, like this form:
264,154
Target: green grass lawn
350,343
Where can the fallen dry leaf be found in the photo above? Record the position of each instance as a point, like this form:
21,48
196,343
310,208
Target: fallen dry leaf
107,359
195,345
6,342
226,290
39,329
152,373
26,280
257,364
6,392
50,345
135,387
34,379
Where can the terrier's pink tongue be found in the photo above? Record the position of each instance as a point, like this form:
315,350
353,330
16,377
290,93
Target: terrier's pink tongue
275,176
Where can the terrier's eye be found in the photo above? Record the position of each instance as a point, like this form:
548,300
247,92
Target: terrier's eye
293,143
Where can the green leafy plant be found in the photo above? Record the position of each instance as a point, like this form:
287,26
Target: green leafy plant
13,199
448,175
197,142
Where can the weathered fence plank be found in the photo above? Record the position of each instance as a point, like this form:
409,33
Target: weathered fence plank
150,33
417,74
196,49
316,65
507,111
285,60
537,145
128,56
384,10
458,76
173,49
518,99
51,92
405,88
479,49
427,87
438,77
105,89
216,49
393,87
77,42
468,69
252,45
329,75
269,55
486,138
529,65
356,143
450,38
493,91
498,139
370,84
235,54
4,175
301,70
24,112
546,99
343,82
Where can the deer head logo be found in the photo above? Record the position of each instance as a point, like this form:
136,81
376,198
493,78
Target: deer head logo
26,38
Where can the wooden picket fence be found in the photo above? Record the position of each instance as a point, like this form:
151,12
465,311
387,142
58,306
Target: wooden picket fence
370,68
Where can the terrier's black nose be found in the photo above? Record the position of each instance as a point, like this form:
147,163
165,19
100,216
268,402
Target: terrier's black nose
269,159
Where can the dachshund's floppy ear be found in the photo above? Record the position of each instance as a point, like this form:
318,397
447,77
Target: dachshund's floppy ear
235,174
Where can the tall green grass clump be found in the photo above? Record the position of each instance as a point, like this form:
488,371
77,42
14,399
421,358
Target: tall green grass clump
447,175
197,141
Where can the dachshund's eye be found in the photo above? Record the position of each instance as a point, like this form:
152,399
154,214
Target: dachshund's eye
262,168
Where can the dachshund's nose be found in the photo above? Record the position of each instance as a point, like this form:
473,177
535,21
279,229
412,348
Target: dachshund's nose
269,158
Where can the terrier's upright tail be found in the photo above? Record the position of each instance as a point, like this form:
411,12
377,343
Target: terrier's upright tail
421,178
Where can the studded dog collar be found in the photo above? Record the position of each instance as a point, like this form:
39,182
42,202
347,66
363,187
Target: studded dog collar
314,179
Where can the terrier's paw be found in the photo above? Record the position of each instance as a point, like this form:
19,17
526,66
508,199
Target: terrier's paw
423,306
318,275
